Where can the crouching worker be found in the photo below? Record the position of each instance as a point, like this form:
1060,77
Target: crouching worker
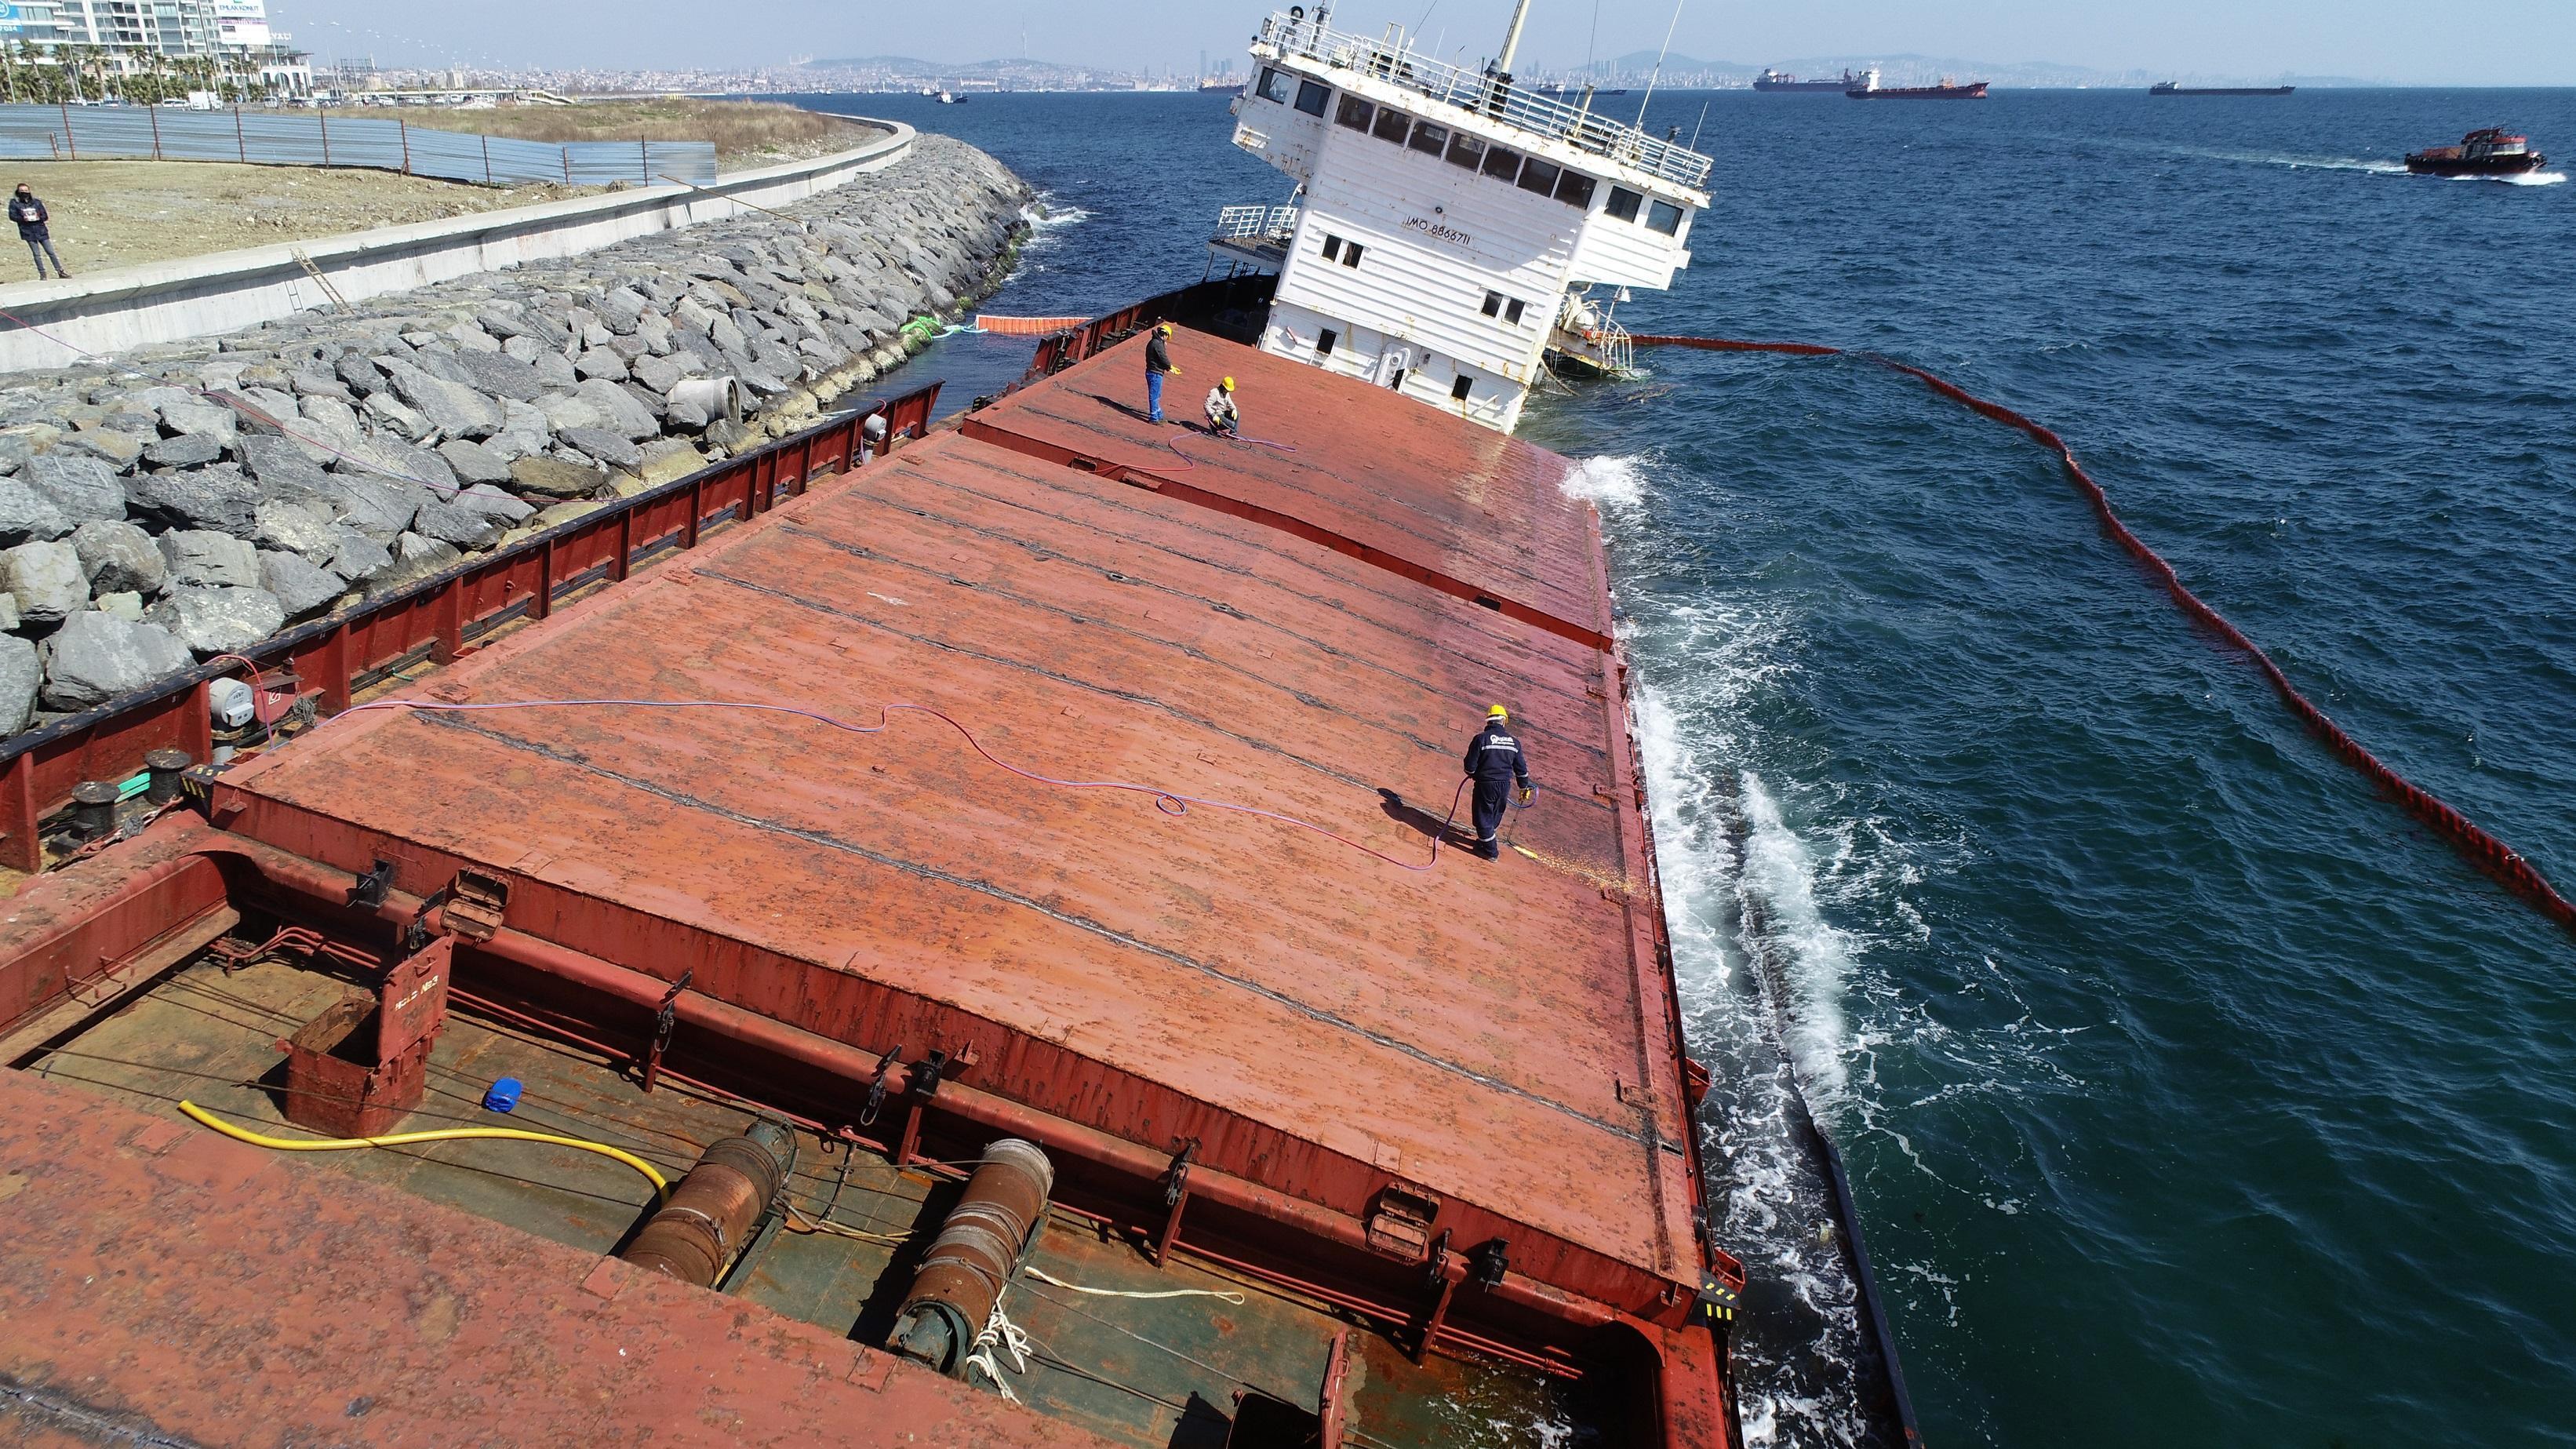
1494,761
1223,420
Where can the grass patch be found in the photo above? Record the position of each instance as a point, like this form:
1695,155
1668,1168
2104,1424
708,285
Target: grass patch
745,133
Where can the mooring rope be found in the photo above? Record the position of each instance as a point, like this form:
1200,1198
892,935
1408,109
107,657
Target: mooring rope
2500,861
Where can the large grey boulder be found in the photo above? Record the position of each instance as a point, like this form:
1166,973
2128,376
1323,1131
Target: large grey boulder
214,498
619,409
82,487
301,588
485,499
501,375
26,514
300,528
474,462
463,527
620,309
283,467
605,446
414,558
377,507
119,449
661,374
119,558
452,407
188,450
556,478
202,558
600,362
360,559
362,376
96,657
46,580
21,676
219,620
188,416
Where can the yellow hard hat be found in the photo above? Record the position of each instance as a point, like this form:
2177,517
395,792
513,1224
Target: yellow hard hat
1498,712
1228,384
1164,328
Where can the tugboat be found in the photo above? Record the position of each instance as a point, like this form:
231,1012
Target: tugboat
2488,152
1947,90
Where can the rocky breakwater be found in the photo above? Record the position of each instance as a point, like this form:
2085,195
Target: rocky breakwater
193,499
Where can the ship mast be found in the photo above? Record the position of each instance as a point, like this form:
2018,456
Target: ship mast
1512,38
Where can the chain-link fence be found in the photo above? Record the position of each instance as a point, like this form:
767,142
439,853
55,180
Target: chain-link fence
310,138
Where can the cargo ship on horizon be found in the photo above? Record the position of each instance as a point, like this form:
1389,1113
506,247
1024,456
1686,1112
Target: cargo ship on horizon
1773,80
2171,88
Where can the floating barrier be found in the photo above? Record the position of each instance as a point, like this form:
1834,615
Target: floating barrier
2481,849
1026,326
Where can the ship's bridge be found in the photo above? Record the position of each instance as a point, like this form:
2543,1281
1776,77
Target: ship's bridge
1444,217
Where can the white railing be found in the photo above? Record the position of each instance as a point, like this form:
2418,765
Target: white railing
1256,223
1398,64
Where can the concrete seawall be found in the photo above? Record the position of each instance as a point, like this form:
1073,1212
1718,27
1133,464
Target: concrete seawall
132,307
189,498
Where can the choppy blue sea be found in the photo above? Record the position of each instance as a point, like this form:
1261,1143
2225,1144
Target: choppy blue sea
2191,1094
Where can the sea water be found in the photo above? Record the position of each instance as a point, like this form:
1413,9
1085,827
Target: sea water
2191,1093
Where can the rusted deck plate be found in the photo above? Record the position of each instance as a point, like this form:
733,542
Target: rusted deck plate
1382,471
165,1286
1496,1032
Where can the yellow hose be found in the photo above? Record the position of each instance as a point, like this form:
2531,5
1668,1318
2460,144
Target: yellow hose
661,1186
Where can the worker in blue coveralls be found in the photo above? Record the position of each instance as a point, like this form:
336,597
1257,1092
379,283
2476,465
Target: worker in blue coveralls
1158,361
1494,761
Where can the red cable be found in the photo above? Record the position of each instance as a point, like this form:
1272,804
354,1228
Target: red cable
1170,802
2481,849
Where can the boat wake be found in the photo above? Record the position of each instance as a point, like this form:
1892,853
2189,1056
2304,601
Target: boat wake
2528,178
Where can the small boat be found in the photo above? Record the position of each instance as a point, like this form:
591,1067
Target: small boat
2168,88
2488,152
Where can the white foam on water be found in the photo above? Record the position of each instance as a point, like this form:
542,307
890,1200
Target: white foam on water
2528,178
1607,482
1046,218
1813,958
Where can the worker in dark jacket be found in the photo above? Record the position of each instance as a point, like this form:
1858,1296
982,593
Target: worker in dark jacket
31,216
1494,761
1158,361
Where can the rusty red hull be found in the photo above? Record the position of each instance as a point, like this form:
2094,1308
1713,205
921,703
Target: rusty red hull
1285,1036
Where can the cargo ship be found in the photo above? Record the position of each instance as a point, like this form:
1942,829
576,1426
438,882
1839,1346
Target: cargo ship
942,933
2169,88
2491,151
1772,80
1945,91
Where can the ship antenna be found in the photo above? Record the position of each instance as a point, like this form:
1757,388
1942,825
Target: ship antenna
1512,38
1659,63
1703,122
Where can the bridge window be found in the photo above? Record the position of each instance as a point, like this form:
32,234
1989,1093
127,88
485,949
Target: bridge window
1466,151
1332,247
1274,86
1664,217
1351,254
1624,203
1324,341
1574,189
1392,125
1311,97
1458,390
1493,304
1502,164
1512,313
1355,113
1429,139
1539,176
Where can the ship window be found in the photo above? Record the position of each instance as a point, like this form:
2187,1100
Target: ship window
1274,86
1624,203
1539,176
1664,217
1324,341
1574,189
1332,248
1392,125
1311,97
1355,113
1458,390
1351,255
1502,163
1493,304
1466,151
1512,313
1429,139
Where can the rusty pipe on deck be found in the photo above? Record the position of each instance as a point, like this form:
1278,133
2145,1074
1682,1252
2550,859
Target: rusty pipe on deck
984,1109
978,1250
709,1216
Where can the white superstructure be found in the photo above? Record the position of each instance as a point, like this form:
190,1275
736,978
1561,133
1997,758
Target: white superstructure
1449,220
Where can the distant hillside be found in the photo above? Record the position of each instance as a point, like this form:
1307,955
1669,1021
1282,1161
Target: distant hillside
1909,69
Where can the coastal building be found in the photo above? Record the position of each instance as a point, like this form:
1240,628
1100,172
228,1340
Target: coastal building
234,36
1453,232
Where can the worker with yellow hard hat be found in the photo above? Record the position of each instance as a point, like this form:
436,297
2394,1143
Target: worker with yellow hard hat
1223,419
1495,761
1158,361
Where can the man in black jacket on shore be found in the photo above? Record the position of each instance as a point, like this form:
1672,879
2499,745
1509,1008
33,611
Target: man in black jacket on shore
1494,761
31,216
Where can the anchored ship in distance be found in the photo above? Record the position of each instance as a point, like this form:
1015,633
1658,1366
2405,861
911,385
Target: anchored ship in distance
1773,80
1946,90
2170,88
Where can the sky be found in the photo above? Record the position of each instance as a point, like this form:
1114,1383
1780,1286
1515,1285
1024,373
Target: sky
2413,42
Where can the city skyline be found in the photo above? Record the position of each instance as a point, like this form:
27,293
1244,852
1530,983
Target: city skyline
2517,42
